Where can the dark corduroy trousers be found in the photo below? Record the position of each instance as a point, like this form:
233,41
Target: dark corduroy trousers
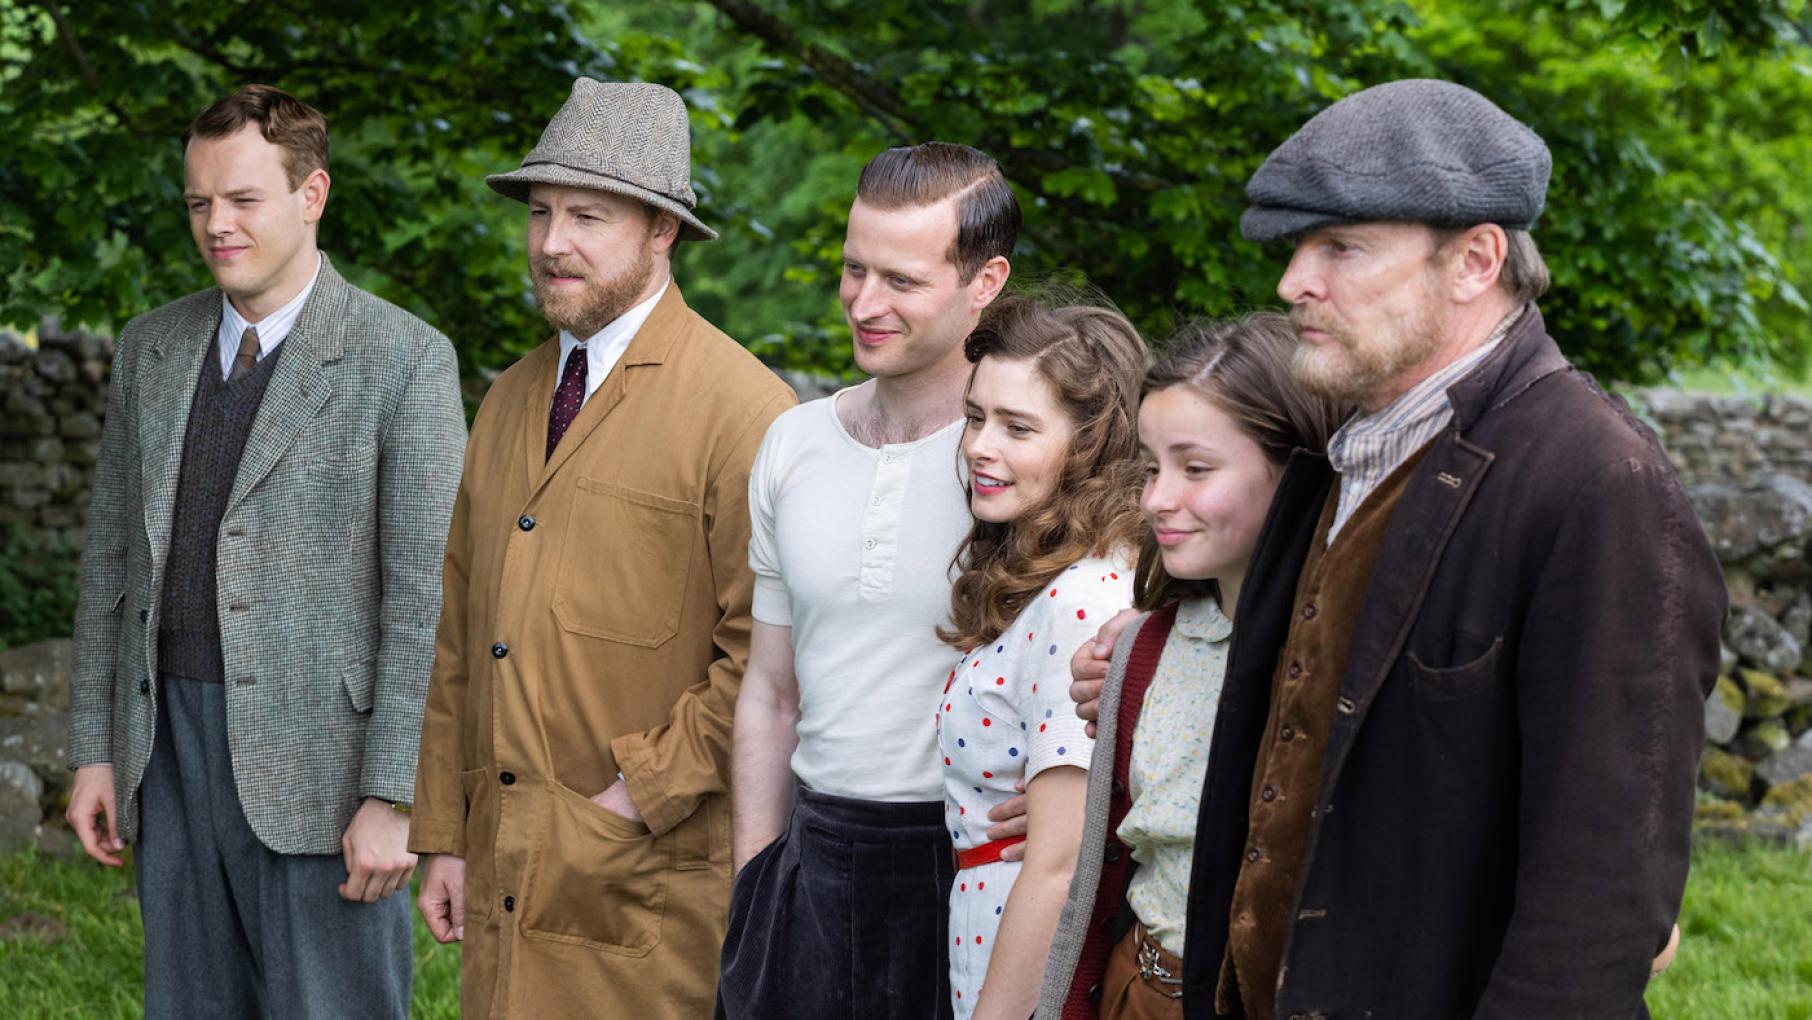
844,916
232,928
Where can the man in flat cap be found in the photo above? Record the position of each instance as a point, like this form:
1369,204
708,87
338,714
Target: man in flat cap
574,779
1452,774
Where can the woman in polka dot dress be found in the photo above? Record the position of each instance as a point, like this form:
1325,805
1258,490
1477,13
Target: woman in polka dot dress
1050,449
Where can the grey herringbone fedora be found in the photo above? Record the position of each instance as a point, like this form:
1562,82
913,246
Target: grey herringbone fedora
627,138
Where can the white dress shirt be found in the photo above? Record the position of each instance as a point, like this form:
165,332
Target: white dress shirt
272,329
605,348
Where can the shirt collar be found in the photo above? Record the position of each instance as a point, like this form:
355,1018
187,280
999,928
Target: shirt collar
273,328
1202,618
607,344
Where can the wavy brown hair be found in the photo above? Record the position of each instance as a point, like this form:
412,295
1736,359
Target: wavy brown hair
1243,367
1092,358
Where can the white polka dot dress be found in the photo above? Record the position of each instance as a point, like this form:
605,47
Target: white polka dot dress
1006,714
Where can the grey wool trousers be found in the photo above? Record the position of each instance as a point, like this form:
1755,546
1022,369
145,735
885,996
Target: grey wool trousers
232,928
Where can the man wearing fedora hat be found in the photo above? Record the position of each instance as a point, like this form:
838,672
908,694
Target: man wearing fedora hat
573,787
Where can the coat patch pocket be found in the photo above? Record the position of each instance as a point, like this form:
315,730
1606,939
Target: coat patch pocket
624,569
1447,683
599,879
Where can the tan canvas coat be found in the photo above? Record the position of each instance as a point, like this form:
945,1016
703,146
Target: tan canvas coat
596,621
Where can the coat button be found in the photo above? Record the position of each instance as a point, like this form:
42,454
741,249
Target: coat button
1269,793
1113,852
143,615
525,522
1119,790
507,778
1252,854
1286,734
499,650
1346,706
509,903
1094,993
1309,611
144,686
1295,670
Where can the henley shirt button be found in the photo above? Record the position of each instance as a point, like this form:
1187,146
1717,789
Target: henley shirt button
1286,734
870,544
1252,854
499,650
525,522
1269,793
509,903
507,778
1309,611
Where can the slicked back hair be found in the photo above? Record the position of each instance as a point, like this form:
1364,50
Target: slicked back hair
987,213
283,120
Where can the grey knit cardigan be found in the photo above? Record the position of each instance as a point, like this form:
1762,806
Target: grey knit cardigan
1072,924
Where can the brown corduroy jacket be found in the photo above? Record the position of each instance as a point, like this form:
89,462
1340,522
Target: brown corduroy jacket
596,621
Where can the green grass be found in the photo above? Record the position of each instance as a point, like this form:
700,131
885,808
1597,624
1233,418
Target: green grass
1747,952
1745,382
95,969
1746,947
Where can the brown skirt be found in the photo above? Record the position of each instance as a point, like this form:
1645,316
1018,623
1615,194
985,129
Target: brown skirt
1134,986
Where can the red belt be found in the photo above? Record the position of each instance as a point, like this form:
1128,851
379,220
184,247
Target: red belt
987,853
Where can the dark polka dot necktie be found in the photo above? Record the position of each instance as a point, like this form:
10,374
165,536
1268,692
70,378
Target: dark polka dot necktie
568,398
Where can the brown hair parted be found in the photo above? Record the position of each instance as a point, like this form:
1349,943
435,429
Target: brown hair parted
1092,358
1243,367
987,213
284,121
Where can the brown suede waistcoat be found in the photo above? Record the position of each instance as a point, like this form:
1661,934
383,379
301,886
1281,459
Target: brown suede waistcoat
1305,695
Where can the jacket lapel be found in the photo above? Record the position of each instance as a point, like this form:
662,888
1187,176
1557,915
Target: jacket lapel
166,394
649,347
298,387
1436,496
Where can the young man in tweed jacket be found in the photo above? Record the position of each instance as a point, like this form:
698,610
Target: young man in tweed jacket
259,592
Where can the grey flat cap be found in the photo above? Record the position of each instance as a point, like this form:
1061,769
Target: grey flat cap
627,138
1419,150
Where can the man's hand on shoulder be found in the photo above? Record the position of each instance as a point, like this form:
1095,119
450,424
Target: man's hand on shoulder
616,800
1088,667
90,814
376,849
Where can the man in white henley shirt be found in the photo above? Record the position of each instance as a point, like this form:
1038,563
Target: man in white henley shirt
857,507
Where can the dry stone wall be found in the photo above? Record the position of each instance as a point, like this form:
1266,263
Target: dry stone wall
52,401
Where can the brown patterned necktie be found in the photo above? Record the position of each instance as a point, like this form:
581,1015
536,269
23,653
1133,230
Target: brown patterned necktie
247,358
568,398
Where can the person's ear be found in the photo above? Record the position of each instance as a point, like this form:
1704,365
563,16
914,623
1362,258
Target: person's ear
314,195
664,232
1475,260
988,281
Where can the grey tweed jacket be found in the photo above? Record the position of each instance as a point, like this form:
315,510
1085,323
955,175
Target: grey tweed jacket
329,558
1073,922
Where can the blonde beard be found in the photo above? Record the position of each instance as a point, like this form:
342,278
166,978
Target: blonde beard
1350,369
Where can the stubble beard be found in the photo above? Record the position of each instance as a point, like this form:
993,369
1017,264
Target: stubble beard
1351,369
598,303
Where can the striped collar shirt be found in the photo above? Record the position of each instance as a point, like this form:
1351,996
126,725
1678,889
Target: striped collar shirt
272,329
1369,447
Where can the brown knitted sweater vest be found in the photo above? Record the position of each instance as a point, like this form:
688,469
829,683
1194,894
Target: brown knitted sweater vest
1305,695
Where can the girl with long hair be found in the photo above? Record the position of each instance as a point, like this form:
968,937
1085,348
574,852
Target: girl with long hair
1051,453
1218,418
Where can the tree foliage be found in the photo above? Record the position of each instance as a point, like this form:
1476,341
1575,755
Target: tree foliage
1675,227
